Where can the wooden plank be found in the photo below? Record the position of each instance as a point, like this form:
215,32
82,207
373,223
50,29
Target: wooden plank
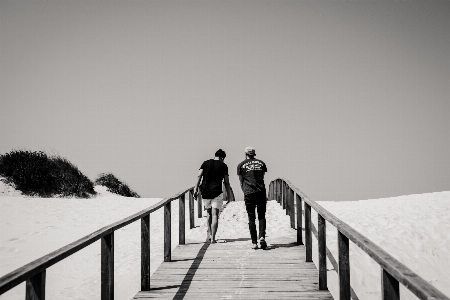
107,267
344,267
322,244
181,220
145,253
233,270
389,287
35,287
167,232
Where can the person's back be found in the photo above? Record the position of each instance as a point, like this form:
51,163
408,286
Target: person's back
212,173
252,171
251,176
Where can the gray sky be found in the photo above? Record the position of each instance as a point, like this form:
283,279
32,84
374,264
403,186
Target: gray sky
348,99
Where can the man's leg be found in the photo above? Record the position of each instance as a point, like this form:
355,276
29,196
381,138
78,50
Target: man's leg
261,208
209,220
214,224
250,207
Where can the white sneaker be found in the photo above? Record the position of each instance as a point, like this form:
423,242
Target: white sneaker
262,243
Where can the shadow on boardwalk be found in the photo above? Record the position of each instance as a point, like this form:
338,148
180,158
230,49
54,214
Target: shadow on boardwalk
186,283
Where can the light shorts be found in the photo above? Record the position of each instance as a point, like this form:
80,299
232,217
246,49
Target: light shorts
215,203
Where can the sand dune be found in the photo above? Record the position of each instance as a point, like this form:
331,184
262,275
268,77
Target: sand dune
32,227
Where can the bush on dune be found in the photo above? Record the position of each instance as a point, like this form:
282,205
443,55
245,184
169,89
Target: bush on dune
114,185
34,173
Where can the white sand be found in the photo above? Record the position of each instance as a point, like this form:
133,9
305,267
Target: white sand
33,227
414,229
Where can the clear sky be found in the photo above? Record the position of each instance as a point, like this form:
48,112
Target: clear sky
347,99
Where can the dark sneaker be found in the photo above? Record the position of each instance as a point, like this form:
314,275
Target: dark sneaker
254,246
262,243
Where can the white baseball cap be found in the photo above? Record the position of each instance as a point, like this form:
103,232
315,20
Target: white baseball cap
250,150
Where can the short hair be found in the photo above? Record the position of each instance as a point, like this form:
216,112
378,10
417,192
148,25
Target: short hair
220,153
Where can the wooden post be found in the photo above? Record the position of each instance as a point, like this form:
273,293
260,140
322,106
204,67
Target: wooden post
288,202
281,193
107,268
299,220
191,209
167,232
292,210
145,253
308,237
322,241
286,198
270,190
344,267
276,190
182,220
389,286
35,287
199,205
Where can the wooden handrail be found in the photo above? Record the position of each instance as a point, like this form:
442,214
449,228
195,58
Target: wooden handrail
34,272
392,268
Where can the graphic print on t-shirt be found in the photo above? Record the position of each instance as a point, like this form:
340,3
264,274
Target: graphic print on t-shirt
254,165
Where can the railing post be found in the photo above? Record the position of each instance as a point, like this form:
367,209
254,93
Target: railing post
191,210
299,220
286,198
272,189
182,220
107,268
276,190
322,241
35,287
344,267
167,232
308,237
199,205
269,190
145,253
283,194
292,210
288,204
389,286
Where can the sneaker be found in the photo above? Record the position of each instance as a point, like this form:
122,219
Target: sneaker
262,243
254,246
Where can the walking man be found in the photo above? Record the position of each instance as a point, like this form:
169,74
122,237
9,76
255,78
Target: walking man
211,174
251,176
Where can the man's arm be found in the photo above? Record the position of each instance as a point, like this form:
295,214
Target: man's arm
226,181
241,181
200,175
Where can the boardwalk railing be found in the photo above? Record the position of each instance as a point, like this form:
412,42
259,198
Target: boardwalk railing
34,273
393,272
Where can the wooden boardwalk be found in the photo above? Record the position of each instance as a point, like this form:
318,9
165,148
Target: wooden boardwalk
232,270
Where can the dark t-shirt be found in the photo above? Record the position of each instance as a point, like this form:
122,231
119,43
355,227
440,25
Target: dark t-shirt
252,171
213,173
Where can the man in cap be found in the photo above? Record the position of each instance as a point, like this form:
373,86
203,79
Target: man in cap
211,174
251,176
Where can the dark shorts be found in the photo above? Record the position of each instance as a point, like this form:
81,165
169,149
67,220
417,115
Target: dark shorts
255,201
